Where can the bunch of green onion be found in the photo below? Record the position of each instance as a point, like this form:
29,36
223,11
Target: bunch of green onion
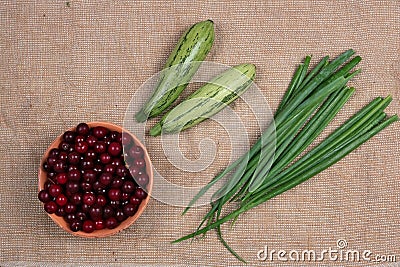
272,165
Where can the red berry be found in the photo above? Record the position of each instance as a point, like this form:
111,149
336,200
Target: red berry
140,193
136,152
61,200
114,194
55,190
88,226
81,147
99,224
115,149
50,207
100,147
99,132
44,196
111,223
89,198
130,209
82,129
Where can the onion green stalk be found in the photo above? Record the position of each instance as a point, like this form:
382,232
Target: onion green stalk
311,102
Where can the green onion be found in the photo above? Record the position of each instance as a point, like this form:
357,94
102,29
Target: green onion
269,168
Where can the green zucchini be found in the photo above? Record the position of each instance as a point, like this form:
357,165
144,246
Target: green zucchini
207,100
181,65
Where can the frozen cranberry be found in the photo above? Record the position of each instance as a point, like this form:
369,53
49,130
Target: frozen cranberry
111,223
126,139
74,158
72,187
108,212
73,168
90,154
99,132
80,215
128,187
99,224
81,147
136,152
82,129
142,179
117,162
120,215
76,198
125,197
69,136
76,225
117,182
55,190
99,187
101,200
61,200
89,198
109,168
134,200
74,175
64,146
63,156
140,163
86,187
130,209
60,166
70,217
44,196
70,208
47,184
89,176
88,226
54,152
60,212
91,140
134,170
79,138
87,163
121,171
50,207
46,166
106,178
96,212
140,193
100,147
115,149
61,178
105,158
114,194
51,161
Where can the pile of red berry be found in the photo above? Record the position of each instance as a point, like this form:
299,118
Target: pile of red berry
88,182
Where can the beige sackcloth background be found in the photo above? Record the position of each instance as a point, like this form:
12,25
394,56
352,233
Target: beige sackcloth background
63,63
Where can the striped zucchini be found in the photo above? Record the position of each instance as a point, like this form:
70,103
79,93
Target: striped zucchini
207,100
179,69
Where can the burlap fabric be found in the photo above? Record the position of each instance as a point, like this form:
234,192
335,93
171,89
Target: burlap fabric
63,62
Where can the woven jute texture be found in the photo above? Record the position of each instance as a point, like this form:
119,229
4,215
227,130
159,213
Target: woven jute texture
64,62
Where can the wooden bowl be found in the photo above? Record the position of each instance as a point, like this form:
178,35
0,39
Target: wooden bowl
124,224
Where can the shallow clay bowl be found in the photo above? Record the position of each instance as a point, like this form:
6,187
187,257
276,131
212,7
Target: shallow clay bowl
124,224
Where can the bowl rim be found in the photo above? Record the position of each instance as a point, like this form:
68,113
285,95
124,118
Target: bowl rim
42,177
